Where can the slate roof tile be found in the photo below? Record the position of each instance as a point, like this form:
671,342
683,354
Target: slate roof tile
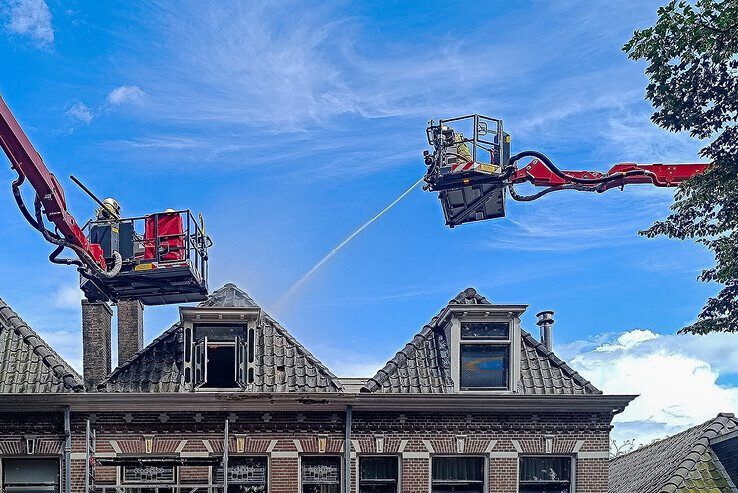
282,363
28,364
680,463
424,366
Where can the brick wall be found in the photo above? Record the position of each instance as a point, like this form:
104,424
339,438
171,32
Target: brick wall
285,437
130,329
96,329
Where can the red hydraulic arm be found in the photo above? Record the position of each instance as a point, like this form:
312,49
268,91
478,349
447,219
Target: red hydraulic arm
27,162
539,173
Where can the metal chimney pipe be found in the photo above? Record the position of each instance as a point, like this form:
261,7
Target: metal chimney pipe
545,322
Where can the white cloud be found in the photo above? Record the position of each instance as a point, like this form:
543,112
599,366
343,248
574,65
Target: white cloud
80,113
68,297
126,95
31,18
675,375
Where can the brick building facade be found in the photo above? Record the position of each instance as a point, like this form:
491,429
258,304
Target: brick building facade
472,403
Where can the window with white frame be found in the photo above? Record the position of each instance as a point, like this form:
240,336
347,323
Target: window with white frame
223,355
548,474
30,475
321,474
485,354
149,478
457,475
379,474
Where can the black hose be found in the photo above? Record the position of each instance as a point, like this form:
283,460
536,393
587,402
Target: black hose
527,198
19,199
63,261
585,181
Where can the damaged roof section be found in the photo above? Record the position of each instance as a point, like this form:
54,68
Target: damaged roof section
682,463
282,363
28,365
423,366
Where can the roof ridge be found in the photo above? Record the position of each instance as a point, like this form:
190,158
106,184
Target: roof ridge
306,353
68,375
558,362
138,354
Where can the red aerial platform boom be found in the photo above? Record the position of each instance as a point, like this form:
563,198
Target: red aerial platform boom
27,162
160,258
473,189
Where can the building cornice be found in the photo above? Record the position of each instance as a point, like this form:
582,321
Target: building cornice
261,402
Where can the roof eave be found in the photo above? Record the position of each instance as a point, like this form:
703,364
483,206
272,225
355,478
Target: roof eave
324,401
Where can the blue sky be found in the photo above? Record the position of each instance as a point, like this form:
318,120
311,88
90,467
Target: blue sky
288,124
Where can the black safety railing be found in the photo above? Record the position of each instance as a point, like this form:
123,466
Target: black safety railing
481,133
152,245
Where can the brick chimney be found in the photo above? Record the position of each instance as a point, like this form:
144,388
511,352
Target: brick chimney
130,329
96,334
545,322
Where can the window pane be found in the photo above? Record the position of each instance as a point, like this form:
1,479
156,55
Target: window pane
545,469
31,471
727,452
545,474
484,366
467,469
379,468
219,333
321,474
148,474
245,470
485,330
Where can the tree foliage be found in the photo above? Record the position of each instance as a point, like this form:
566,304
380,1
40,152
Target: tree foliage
692,56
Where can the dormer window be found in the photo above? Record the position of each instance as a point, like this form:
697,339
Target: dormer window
484,346
223,355
484,353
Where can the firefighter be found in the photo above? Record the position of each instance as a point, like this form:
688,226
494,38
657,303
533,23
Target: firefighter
110,210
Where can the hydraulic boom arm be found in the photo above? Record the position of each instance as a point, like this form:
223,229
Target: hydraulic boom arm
27,162
472,170
541,172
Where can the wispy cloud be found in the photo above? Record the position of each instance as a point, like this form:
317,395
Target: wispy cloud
31,18
126,95
80,113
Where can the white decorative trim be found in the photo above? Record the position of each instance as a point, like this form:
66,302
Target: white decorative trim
298,444
503,455
208,447
357,446
415,455
106,455
179,449
460,443
428,446
490,446
272,444
577,446
593,455
516,446
78,456
194,454
116,448
403,444
284,455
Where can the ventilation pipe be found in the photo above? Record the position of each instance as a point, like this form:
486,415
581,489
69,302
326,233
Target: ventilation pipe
545,322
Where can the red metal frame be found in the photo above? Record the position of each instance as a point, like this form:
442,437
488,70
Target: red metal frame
660,175
28,162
